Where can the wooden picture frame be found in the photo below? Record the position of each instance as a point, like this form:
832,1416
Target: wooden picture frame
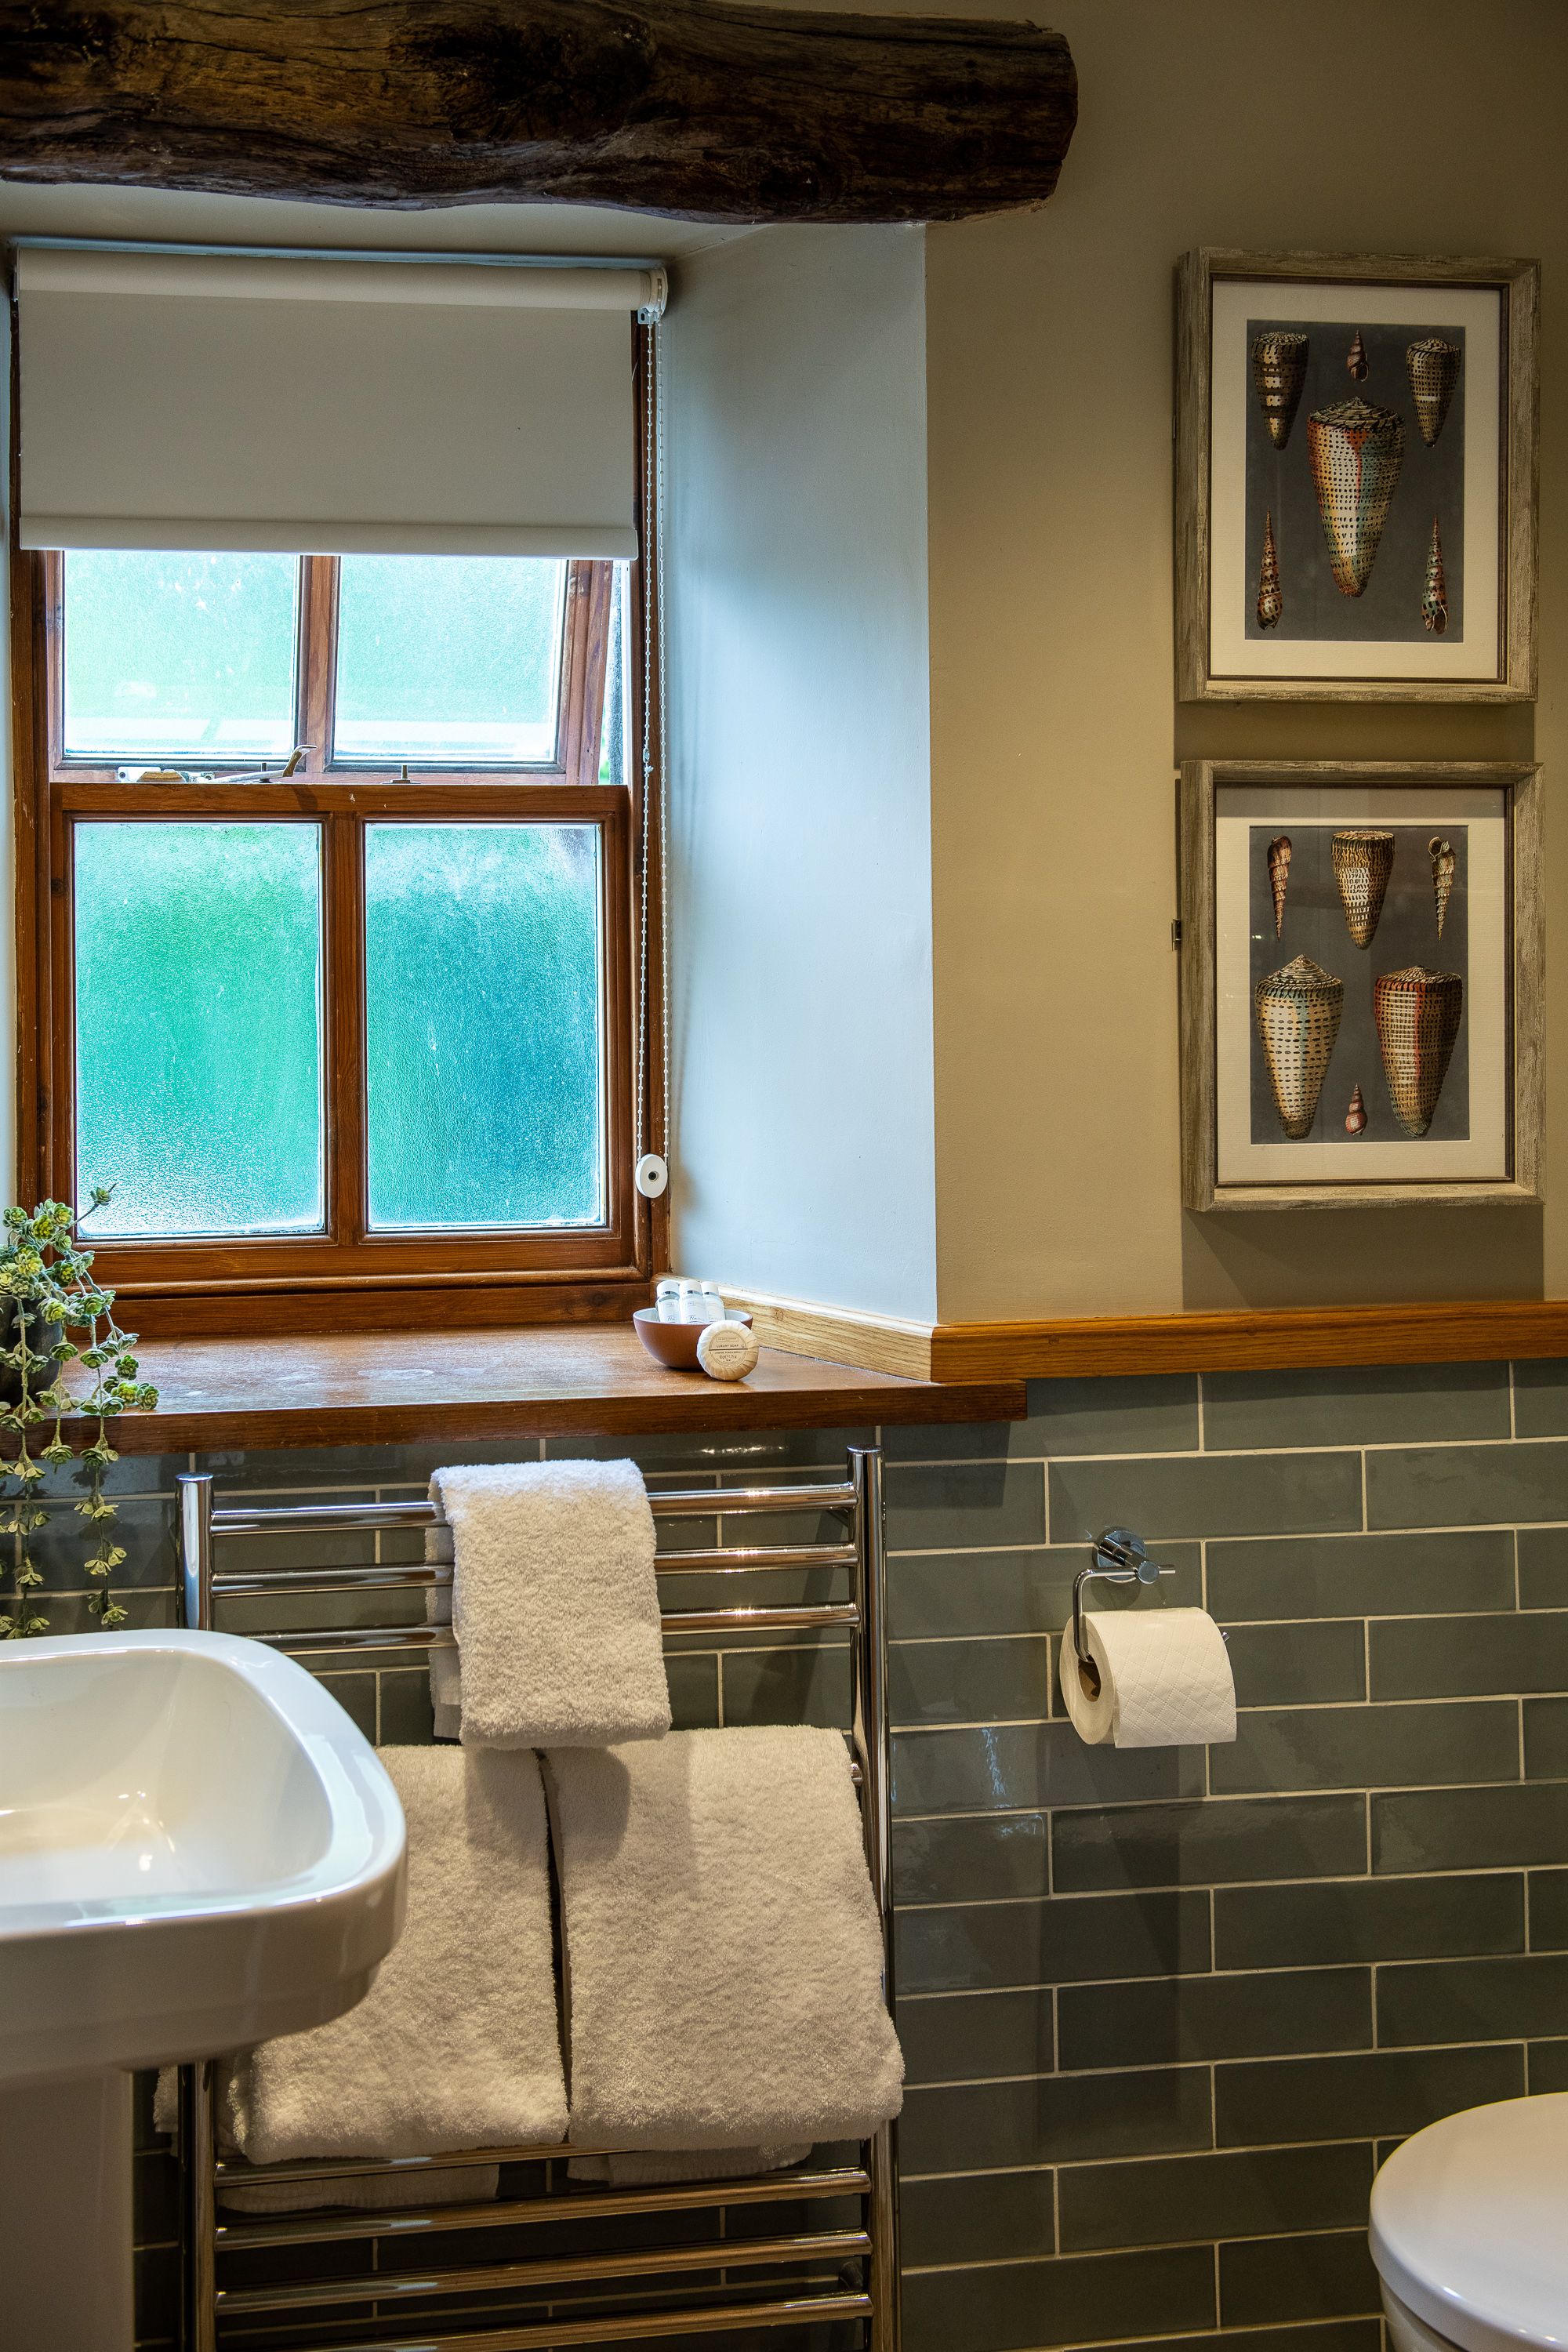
1460,603
1237,1152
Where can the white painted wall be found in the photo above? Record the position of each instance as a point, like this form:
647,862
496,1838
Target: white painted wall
800,769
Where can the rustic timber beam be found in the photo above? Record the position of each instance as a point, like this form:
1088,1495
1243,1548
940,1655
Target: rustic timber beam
686,107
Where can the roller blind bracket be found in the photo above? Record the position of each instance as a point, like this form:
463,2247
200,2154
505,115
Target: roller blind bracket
650,312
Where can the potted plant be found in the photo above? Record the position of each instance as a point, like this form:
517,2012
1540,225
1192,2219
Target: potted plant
46,1286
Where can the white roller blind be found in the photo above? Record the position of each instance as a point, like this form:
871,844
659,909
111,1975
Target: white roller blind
326,407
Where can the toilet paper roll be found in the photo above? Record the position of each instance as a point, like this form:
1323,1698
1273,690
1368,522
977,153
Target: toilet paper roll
1165,1679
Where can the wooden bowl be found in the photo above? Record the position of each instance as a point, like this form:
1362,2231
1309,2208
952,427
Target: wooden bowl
674,1345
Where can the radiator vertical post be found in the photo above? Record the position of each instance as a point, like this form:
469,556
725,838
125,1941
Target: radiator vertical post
196,1552
198,2202
872,1747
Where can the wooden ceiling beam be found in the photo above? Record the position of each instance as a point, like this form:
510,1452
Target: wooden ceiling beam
690,109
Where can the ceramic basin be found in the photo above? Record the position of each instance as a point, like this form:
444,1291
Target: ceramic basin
198,1850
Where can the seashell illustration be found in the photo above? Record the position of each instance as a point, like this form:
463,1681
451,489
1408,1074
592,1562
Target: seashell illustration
1279,877
1441,852
1358,363
1355,1116
1356,451
1270,602
1417,1014
1363,863
1433,367
1279,372
1298,1010
1434,595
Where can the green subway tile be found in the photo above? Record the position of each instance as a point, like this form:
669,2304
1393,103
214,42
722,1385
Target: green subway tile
1014,1767
1368,1748
1367,1919
144,1526
693,1690
1456,1657
991,2217
970,1682
1549,1911
406,1717
1210,1495
1468,1829
1305,1665
971,1947
155,2199
356,1693
970,1860
1361,1576
157,2294
1204,1844
1546,2065
1472,2000
1388,1404
749,1452
1467,1486
966,2037
1146,1413
805,1683
1372,2095
966,1441
1093,2298
1246,2193
1540,1398
1546,1738
946,1594
1323,2278
1542,1568
1000,2124
964,1504
1195,2019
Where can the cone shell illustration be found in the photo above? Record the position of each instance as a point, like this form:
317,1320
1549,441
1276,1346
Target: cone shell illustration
1441,852
1270,602
1355,1116
1279,372
1298,1010
1433,367
1363,863
1434,595
1356,451
1279,877
1417,1014
1358,363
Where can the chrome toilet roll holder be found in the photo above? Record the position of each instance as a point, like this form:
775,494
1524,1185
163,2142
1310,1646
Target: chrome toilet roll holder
1120,1557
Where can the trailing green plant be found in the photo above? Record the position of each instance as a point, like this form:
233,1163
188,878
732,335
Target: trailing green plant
47,1276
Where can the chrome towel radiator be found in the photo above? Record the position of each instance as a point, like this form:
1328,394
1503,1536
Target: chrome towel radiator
370,2305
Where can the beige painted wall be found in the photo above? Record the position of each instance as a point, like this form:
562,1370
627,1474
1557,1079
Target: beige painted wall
1410,126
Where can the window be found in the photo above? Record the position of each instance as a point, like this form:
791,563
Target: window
362,1027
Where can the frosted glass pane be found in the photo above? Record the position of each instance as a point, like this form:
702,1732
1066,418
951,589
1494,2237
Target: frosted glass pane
482,1005
453,659
199,1029
179,657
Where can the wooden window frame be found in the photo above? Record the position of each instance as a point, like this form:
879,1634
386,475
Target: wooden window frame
347,1277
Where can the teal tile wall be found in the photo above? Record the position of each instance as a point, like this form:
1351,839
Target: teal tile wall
1164,2011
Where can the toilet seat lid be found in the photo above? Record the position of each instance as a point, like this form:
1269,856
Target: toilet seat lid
1470,2226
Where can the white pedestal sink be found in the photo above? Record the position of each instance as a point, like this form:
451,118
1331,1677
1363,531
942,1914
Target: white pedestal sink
197,1851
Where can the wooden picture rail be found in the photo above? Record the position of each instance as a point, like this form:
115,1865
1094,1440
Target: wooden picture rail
686,107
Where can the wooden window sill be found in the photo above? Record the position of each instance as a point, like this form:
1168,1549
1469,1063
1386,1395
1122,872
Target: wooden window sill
389,1388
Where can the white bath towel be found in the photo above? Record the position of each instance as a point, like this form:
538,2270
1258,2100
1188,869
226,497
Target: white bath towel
455,2044
472,2184
554,1606
723,1951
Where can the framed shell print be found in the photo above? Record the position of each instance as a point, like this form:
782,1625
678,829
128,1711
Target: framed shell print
1355,478
1361,983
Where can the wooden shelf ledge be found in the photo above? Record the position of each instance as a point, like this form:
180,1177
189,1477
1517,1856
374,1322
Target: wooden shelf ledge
391,1388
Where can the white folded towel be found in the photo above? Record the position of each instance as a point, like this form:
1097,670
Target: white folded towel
554,1605
723,1957
456,2045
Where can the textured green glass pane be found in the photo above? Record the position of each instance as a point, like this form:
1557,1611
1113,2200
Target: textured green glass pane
483,1005
198,1027
448,658
179,657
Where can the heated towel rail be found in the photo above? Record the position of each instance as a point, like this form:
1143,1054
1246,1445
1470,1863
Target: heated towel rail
850,2274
